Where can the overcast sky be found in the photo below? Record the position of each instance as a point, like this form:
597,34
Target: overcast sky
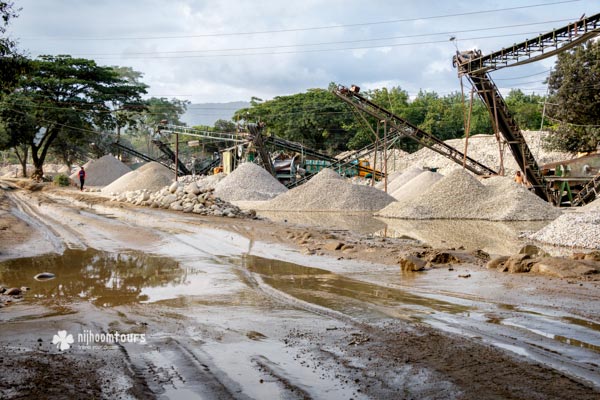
230,50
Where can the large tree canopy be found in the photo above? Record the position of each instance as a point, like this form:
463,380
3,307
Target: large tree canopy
12,65
69,96
574,99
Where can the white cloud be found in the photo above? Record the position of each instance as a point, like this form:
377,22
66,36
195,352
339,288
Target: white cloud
228,76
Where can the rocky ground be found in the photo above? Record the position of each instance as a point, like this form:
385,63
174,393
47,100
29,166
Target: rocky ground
250,308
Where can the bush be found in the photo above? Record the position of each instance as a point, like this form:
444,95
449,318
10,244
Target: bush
62,180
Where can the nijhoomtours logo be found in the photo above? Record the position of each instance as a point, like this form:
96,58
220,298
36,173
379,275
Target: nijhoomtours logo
88,340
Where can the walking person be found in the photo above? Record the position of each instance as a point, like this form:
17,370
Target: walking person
81,177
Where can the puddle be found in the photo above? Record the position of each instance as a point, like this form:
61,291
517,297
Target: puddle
336,292
495,237
102,278
362,222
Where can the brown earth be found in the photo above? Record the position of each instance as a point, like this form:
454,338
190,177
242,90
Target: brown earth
338,317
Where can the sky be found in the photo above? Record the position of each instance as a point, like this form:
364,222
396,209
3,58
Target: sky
232,50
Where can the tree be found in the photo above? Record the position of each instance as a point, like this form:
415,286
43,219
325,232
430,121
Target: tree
17,126
314,118
527,108
574,99
12,64
73,95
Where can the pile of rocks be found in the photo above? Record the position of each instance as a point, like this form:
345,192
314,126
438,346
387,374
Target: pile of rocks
102,172
573,229
151,176
328,191
484,148
459,195
249,182
187,198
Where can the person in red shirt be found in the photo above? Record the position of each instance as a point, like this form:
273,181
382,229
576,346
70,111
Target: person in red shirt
81,178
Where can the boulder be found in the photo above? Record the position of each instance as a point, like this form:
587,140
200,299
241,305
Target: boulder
411,263
497,263
563,267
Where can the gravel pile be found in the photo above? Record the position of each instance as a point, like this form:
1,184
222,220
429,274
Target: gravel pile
102,172
396,180
187,198
249,182
416,185
328,191
151,176
484,148
579,229
459,195
204,182
395,159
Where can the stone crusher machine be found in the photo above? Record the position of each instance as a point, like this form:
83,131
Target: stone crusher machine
200,167
476,67
312,160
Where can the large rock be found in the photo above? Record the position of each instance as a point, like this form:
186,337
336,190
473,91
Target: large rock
411,263
564,268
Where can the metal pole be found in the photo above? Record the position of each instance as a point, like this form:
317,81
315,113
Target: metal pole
468,128
385,159
176,154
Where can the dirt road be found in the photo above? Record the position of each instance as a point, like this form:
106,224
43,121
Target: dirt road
246,309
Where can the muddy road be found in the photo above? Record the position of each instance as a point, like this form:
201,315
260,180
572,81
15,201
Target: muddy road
169,305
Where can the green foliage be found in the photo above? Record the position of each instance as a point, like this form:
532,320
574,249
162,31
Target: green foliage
61,180
574,99
527,109
315,118
71,99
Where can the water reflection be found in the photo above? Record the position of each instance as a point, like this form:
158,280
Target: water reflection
336,292
357,222
491,236
103,278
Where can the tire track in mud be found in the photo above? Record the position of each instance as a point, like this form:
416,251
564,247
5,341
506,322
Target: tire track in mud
467,363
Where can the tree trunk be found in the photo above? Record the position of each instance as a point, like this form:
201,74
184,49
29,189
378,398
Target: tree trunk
22,160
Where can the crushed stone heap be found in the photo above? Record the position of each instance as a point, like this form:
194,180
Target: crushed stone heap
328,191
151,176
484,148
459,195
249,182
102,172
188,198
572,230
577,228
416,185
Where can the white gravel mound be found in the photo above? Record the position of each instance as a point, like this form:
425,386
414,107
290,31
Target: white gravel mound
459,195
581,229
328,191
103,171
249,182
152,176
484,148
401,179
416,185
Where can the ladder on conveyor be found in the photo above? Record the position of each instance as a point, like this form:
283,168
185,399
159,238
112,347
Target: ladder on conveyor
589,192
399,128
475,67
171,156
142,156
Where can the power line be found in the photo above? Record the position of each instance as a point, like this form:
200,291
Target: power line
393,21
323,43
313,50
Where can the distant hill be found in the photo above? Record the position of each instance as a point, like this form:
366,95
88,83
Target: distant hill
208,113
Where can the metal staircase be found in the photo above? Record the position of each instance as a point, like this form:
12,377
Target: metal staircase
402,128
